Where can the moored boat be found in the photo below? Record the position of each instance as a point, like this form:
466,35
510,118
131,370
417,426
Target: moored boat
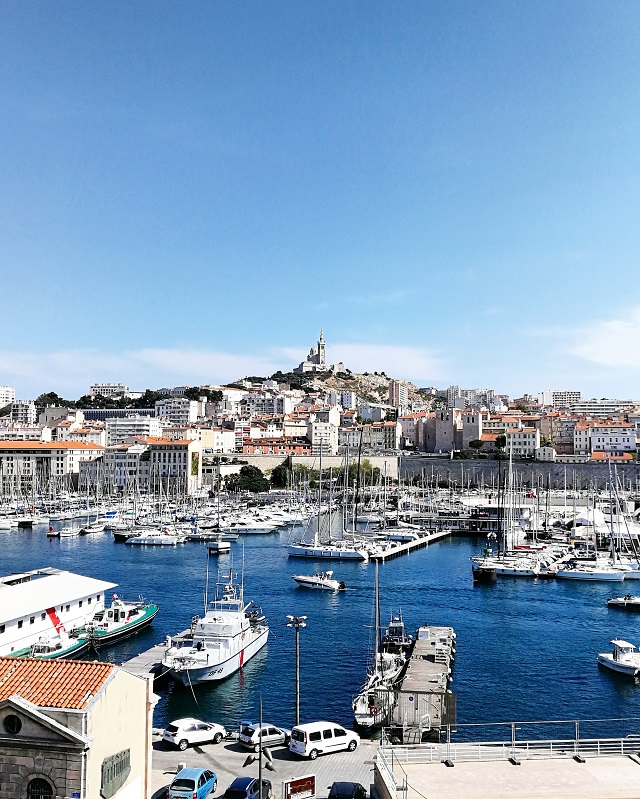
120,620
229,634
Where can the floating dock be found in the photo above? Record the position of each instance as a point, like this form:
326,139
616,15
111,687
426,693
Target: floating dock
424,704
394,550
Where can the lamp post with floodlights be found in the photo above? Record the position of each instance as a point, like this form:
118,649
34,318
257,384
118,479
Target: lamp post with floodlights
297,622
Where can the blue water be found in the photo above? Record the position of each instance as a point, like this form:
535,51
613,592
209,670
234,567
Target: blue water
526,650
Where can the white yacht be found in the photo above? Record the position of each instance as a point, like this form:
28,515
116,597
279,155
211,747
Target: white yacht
228,636
624,658
319,580
598,571
156,538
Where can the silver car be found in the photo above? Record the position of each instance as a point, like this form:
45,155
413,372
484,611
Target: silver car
271,735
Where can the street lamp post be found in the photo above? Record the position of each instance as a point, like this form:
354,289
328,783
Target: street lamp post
297,622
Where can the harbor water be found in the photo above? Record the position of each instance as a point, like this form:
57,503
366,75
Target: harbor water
526,649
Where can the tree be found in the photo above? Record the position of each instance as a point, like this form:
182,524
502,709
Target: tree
476,444
212,395
51,398
501,442
6,410
280,476
545,442
250,478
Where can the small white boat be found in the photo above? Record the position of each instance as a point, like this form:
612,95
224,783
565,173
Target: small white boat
155,538
623,658
627,602
321,580
219,546
600,573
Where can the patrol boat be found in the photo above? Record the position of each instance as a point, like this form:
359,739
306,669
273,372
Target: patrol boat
229,634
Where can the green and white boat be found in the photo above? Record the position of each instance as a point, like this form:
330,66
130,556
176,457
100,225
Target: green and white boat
120,620
56,646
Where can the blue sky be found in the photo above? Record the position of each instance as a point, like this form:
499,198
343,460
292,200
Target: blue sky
450,189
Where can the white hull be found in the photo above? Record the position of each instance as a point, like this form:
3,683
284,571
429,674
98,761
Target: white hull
316,582
333,552
600,576
632,669
214,672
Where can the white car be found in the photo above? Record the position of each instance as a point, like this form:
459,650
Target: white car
271,736
187,732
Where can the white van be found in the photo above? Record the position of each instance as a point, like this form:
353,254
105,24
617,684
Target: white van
321,737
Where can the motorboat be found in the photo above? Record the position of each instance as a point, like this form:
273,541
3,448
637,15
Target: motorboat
218,546
627,602
321,580
229,634
120,620
624,658
53,646
602,572
155,538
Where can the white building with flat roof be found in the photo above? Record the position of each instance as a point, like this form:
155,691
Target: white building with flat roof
23,412
7,395
119,429
109,389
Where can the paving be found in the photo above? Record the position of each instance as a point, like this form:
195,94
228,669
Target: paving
228,757
596,778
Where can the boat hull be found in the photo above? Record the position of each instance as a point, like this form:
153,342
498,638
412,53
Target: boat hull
630,669
220,671
100,639
334,553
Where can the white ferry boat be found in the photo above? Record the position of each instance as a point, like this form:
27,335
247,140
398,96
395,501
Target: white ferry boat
226,638
45,602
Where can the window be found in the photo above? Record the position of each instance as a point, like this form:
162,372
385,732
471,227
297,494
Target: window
20,624
80,604
32,620
327,734
39,789
315,736
43,616
68,608
339,733
12,725
1,628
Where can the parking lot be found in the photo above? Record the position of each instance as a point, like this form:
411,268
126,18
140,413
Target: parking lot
228,757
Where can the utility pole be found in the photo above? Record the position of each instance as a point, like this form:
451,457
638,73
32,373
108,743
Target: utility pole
297,622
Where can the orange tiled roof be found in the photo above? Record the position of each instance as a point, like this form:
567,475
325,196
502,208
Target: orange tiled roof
614,456
53,683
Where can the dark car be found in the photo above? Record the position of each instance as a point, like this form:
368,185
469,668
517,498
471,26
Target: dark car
347,790
248,788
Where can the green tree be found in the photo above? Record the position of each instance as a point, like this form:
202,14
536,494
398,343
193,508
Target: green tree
51,398
250,478
545,442
280,476
501,442
476,444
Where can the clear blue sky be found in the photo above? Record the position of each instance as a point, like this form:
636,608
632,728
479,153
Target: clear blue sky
450,189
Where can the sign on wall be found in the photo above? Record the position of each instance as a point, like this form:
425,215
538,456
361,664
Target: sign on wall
115,772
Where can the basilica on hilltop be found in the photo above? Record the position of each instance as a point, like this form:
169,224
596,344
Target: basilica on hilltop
316,360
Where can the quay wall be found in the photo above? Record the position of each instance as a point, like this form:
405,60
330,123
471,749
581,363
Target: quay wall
268,462
577,475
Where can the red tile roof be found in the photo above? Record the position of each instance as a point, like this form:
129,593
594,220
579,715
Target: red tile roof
53,683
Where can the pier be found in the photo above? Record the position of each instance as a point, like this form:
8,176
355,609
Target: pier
423,703
148,664
404,547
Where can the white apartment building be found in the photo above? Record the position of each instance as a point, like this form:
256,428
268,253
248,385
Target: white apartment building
522,441
109,389
121,428
558,399
7,395
377,436
23,412
349,400
175,462
177,410
23,432
323,437
602,408
613,438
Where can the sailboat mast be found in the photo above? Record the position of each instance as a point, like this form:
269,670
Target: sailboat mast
377,611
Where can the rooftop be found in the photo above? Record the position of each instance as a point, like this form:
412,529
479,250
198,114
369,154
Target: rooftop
53,683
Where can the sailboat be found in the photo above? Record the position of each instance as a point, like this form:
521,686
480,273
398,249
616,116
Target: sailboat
372,705
340,550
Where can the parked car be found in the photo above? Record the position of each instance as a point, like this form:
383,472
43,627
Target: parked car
271,735
248,788
347,790
320,737
193,783
187,732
